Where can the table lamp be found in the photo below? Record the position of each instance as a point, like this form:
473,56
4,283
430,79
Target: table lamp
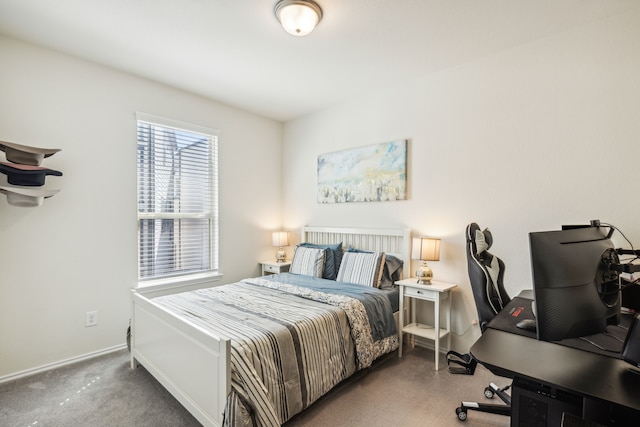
425,249
280,239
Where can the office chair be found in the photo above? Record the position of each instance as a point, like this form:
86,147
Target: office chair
486,273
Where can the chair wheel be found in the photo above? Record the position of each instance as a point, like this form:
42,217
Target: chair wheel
488,393
462,414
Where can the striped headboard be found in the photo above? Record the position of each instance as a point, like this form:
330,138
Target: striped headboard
393,241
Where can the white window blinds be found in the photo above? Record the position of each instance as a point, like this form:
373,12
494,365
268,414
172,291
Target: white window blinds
177,198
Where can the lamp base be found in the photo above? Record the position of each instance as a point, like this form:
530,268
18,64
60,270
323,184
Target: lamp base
281,255
424,274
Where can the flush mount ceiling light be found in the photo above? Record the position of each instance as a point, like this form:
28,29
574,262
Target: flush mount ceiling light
298,17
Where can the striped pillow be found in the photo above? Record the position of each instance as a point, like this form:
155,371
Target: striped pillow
308,261
361,268
331,260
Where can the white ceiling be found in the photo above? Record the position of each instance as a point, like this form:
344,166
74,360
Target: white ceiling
234,51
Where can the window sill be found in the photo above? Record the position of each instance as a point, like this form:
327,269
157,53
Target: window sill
170,285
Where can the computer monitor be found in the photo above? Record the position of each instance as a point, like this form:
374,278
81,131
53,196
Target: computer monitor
575,292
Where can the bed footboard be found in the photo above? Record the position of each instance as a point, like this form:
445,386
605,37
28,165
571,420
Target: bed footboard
191,363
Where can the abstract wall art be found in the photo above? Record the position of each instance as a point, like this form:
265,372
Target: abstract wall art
373,173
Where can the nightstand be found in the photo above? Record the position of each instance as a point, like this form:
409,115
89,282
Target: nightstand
274,267
436,292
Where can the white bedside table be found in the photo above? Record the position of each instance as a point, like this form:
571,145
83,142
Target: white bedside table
437,292
274,267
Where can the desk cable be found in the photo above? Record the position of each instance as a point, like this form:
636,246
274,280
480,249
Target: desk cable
599,346
607,333
622,234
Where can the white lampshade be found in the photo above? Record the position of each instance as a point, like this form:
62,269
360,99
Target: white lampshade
426,249
280,238
298,17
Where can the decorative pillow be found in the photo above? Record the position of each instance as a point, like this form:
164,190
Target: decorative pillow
391,271
361,268
483,240
332,259
308,261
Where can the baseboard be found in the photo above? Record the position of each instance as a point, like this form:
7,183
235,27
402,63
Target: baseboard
54,365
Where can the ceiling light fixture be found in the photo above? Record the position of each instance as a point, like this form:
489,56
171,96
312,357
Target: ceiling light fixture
298,17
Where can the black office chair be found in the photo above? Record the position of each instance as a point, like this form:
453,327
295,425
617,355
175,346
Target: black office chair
486,273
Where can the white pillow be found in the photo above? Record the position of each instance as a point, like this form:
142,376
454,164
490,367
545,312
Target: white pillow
361,268
481,243
308,261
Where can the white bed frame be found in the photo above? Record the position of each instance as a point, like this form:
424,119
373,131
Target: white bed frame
192,363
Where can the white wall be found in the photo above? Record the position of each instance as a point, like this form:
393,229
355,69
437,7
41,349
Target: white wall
77,252
529,139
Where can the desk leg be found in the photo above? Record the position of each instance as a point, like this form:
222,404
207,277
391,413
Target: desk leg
436,326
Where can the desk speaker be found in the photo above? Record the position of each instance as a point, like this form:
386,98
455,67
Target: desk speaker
631,347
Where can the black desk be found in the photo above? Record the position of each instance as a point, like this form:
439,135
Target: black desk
607,388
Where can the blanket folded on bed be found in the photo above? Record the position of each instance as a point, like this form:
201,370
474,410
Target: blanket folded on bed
289,344
375,301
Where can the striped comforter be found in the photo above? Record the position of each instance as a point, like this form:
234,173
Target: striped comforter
289,344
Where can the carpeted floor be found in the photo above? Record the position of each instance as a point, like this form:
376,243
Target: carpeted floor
105,392
99,392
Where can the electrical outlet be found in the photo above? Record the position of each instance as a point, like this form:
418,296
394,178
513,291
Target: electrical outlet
91,318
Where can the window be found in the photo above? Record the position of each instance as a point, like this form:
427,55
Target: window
177,198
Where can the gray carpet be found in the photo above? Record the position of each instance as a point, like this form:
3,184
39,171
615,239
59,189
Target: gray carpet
99,392
105,392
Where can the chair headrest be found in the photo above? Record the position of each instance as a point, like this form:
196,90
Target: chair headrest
481,240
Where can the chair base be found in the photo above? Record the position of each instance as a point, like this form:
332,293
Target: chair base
489,392
461,363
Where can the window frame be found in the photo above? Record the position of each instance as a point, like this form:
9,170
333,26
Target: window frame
191,277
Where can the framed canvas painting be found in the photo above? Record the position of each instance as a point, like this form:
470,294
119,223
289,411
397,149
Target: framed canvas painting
374,173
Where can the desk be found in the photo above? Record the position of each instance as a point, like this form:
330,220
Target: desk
603,383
